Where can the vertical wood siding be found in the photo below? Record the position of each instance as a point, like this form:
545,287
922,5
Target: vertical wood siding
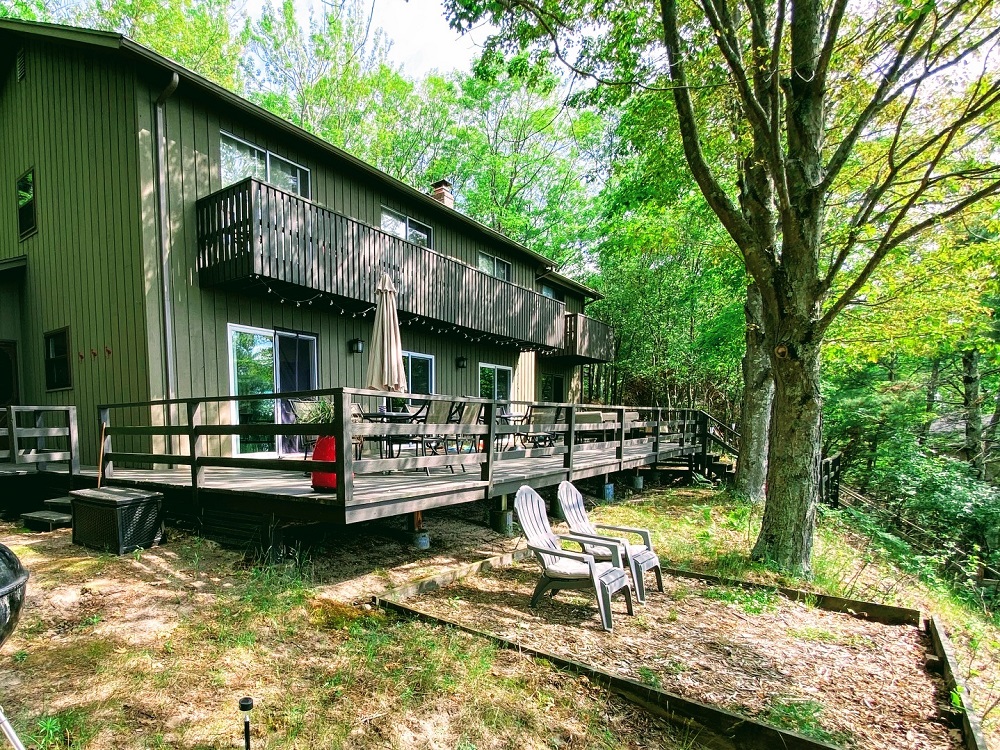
72,120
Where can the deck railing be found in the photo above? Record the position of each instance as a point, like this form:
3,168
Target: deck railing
40,435
587,339
490,440
252,234
503,431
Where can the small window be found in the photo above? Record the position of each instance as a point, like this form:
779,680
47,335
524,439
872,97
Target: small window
22,65
57,373
495,266
240,159
405,228
26,225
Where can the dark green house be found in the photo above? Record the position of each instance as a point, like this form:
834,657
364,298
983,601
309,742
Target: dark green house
164,238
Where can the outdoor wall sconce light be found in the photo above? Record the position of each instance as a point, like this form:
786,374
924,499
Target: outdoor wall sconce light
461,362
355,346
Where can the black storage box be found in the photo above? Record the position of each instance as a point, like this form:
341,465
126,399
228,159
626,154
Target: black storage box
116,519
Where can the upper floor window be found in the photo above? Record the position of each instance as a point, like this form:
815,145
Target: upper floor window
495,266
241,159
21,64
405,228
551,293
26,225
57,373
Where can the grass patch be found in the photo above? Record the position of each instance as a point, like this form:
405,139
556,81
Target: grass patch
803,716
751,601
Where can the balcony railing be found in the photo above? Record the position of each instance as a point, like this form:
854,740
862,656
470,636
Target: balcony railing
252,235
587,340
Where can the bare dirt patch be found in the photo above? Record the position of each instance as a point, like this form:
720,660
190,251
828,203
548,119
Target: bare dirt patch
832,676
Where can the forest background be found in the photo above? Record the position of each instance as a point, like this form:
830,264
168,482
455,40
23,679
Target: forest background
596,179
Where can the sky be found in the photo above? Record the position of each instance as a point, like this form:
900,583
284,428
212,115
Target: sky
421,38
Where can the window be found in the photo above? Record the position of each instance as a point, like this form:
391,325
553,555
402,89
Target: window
494,381
551,389
419,369
26,225
494,266
22,65
240,159
57,374
405,228
551,293
262,360
419,372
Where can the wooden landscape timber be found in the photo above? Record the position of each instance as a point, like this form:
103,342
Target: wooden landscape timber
968,719
718,728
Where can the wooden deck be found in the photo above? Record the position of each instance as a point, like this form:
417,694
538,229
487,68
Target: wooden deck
289,493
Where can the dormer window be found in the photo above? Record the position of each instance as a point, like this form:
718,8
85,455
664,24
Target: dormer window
241,159
405,228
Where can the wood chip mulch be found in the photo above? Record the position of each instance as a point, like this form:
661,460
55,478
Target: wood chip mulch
857,684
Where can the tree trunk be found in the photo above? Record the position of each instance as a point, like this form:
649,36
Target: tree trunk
932,389
755,409
786,534
973,413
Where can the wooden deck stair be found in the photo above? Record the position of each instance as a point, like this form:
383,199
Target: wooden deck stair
50,519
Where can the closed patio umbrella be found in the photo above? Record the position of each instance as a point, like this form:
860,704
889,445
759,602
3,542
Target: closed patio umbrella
385,356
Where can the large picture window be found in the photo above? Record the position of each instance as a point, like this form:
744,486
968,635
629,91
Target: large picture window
57,373
494,381
26,225
405,228
240,159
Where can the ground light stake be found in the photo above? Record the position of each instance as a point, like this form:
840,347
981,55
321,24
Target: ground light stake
246,704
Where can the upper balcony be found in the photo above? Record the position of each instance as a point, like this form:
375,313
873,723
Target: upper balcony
253,236
587,341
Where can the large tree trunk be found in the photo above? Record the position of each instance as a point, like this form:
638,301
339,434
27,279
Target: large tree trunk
973,413
786,534
755,408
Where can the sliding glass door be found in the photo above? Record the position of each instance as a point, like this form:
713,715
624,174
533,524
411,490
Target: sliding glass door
267,361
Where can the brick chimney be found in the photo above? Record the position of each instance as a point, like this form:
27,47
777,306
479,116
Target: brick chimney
441,192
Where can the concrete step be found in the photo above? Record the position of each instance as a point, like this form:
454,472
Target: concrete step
49,519
59,504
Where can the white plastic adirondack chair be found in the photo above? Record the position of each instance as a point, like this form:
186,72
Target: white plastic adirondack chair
640,557
563,569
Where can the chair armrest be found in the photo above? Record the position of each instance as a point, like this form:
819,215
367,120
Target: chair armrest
578,556
644,533
614,546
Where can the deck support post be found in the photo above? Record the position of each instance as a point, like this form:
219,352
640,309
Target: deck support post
656,435
637,481
194,452
491,442
703,443
40,442
344,460
609,489
74,442
501,516
569,438
415,525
